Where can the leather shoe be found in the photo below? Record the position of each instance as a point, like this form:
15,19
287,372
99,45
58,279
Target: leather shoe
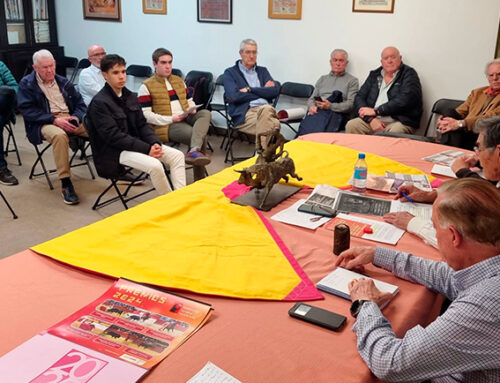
69,195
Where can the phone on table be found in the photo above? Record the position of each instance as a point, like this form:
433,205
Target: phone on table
317,316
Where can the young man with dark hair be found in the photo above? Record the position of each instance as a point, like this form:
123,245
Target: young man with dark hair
120,135
165,100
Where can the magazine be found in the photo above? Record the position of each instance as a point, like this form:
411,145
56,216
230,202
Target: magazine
130,322
444,158
321,201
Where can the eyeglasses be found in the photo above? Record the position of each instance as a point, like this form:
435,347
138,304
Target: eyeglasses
478,148
99,54
250,53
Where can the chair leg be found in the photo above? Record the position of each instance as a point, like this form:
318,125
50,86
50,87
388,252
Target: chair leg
10,136
7,203
40,160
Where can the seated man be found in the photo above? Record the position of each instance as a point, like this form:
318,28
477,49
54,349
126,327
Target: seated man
463,343
91,80
8,89
390,99
249,90
52,108
165,103
337,90
487,155
120,134
456,126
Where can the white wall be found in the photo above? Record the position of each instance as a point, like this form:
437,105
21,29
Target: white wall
446,41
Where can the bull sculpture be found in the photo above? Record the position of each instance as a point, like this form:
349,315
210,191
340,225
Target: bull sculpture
270,167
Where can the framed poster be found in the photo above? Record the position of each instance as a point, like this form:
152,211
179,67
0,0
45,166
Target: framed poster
109,10
154,6
215,11
285,9
381,6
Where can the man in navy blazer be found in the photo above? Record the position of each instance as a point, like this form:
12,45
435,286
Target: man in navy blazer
250,90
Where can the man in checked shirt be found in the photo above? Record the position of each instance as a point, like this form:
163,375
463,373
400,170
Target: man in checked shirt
463,344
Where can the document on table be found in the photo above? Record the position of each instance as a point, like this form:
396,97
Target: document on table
295,217
382,231
415,179
421,210
210,373
443,171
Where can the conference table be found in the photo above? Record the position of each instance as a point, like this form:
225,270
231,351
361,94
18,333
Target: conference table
253,340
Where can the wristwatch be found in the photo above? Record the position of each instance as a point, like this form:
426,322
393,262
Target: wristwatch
356,307
248,89
461,124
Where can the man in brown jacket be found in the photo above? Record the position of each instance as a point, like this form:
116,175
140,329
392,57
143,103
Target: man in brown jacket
457,125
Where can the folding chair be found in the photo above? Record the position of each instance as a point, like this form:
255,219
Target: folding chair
440,107
139,73
177,72
82,143
298,93
82,64
7,203
64,63
9,127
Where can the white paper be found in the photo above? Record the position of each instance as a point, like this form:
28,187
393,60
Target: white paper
210,373
190,110
421,210
382,231
443,171
295,217
416,179
444,158
323,195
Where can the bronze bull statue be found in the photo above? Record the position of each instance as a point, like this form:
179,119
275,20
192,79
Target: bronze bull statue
266,175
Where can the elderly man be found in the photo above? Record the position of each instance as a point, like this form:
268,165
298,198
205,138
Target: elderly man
249,90
52,109
8,89
120,135
487,155
462,344
333,98
457,125
171,111
91,80
390,99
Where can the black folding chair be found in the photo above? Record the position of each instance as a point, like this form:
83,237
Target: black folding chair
8,205
177,72
82,64
441,106
64,63
139,73
298,92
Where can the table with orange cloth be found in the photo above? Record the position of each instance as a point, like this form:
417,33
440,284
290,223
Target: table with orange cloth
255,341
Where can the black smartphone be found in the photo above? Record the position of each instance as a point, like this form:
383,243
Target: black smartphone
74,122
317,316
317,98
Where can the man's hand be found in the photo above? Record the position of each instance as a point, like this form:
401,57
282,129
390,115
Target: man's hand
415,194
244,90
365,111
356,257
269,84
377,125
325,104
64,124
399,219
364,288
313,110
466,161
447,124
179,117
156,151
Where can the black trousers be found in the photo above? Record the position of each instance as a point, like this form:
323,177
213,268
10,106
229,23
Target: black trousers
464,139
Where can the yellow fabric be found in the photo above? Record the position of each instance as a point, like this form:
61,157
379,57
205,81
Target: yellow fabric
195,239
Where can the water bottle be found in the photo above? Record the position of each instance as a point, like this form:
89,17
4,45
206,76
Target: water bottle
360,172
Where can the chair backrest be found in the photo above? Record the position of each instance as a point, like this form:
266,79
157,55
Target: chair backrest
136,74
82,64
296,89
66,62
177,72
202,84
442,106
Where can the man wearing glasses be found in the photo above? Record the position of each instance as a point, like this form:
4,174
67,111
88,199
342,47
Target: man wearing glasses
456,126
250,90
91,80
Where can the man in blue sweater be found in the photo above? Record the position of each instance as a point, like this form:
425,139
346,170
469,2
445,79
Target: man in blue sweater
250,90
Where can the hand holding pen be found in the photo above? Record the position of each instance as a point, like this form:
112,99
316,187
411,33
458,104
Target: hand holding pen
413,194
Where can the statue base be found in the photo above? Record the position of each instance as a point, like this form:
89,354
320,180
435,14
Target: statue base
278,193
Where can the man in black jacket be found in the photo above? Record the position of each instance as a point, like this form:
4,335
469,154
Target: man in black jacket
389,100
120,135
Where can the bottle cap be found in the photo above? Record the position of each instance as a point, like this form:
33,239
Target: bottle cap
361,156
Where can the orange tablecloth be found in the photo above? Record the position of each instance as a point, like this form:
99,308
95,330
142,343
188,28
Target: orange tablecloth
255,341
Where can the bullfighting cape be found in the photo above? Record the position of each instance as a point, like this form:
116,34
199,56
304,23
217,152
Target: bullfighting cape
195,239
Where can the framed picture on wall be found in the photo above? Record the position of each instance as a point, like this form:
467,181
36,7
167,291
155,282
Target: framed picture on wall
154,6
215,11
109,10
285,9
383,6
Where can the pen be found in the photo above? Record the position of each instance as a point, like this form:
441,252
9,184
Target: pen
408,198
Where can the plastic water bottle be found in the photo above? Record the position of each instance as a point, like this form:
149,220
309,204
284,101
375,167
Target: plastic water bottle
360,172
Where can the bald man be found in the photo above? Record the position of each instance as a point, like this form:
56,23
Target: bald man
390,99
91,80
